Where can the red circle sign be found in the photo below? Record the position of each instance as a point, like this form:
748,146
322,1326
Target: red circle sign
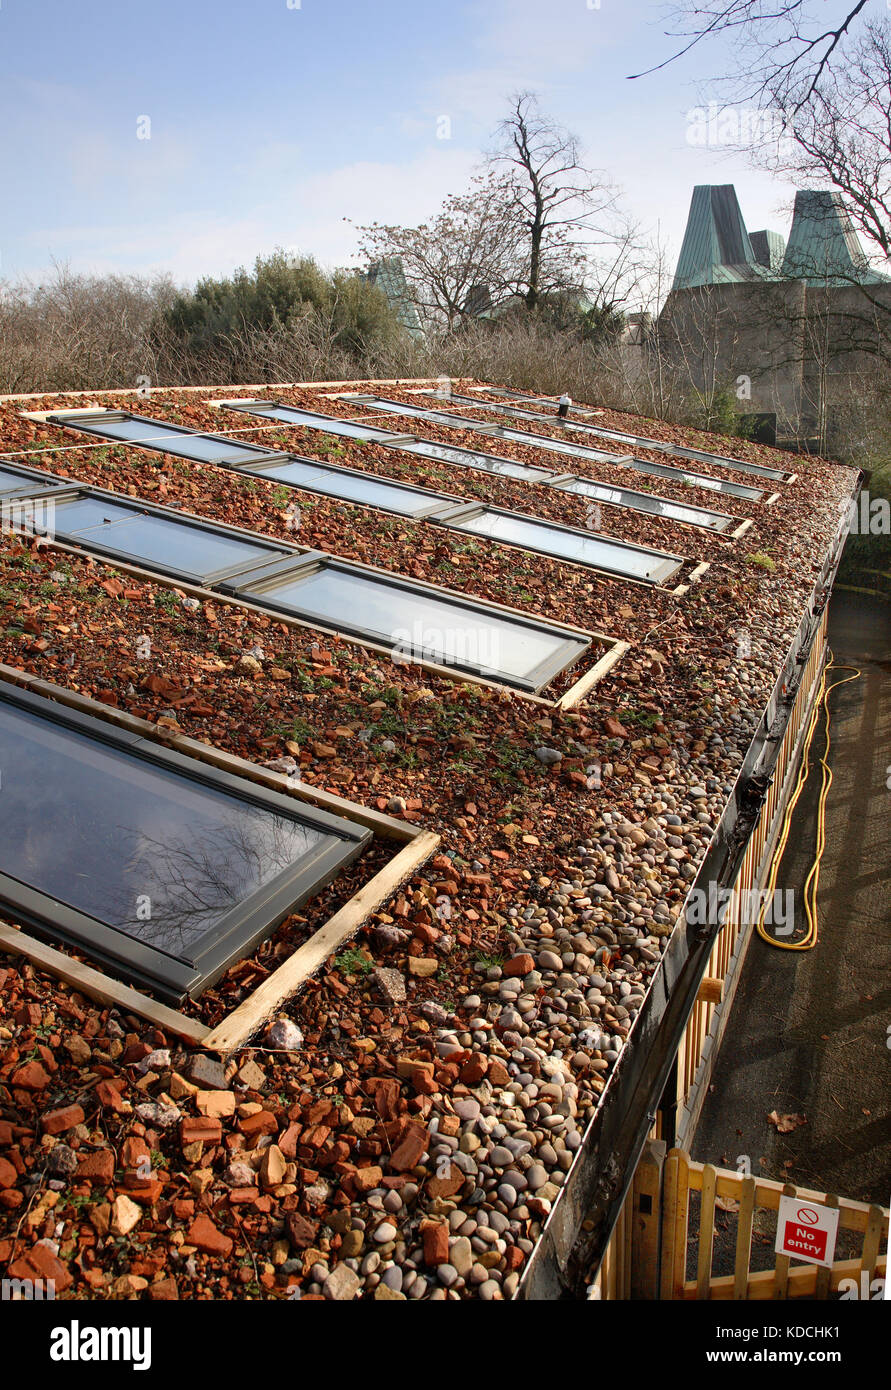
808,1216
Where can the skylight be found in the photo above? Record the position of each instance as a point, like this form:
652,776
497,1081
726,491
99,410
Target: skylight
637,441
26,482
292,415
419,622
165,869
184,548
470,458
352,485
568,543
161,437
561,446
647,502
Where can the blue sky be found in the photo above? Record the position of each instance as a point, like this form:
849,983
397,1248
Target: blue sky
272,122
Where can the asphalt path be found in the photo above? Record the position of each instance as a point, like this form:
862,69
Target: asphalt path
808,1034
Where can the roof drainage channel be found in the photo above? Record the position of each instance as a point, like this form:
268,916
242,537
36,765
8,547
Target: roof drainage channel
638,441
560,446
415,620
600,552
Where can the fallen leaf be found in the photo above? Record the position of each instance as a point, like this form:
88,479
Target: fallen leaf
785,1124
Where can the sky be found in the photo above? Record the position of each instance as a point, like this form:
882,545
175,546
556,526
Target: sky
189,136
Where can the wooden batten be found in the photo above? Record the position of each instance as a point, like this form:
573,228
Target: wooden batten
104,989
235,1030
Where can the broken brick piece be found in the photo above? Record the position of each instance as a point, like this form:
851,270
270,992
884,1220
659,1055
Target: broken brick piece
208,1238
57,1121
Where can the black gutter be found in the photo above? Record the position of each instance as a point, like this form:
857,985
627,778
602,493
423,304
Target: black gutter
598,1182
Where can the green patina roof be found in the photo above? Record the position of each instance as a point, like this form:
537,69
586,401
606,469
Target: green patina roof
823,246
389,276
769,249
716,248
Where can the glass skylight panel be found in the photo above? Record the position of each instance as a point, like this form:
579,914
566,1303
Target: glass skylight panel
470,458
582,547
13,480
163,868
638,441
659,470
292,415
175,545
351,485
421,623
160,437
647,502
561,446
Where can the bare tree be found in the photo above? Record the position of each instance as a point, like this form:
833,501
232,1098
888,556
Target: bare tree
781,47
473,242
559,203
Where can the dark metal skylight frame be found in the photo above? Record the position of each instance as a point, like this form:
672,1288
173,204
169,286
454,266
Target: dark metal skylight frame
264,590
296,416
561,446
174,976
428,501
638,441
462,457
161,437
113,542
611,495
18,481
543,536
264,463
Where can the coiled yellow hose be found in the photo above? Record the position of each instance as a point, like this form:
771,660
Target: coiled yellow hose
811,884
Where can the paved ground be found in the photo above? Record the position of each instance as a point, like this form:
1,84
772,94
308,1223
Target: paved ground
808,1030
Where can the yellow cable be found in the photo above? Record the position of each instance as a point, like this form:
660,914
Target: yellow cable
809,940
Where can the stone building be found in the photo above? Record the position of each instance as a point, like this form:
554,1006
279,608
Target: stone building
785,329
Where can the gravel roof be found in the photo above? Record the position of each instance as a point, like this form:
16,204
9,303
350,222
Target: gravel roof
406,1126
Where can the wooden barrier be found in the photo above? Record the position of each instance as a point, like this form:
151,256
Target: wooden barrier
663,1234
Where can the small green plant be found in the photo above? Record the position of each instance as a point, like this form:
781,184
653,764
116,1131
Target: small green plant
763,561
352,961
490,961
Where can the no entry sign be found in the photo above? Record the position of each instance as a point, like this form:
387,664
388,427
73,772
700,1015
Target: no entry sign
806,1230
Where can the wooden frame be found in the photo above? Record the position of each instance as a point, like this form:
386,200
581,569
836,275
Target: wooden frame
217,596
416,846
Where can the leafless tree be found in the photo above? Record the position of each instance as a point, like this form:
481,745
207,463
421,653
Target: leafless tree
783,48
561,205
473,242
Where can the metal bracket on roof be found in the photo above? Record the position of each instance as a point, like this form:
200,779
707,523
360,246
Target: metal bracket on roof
256,460
455,514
